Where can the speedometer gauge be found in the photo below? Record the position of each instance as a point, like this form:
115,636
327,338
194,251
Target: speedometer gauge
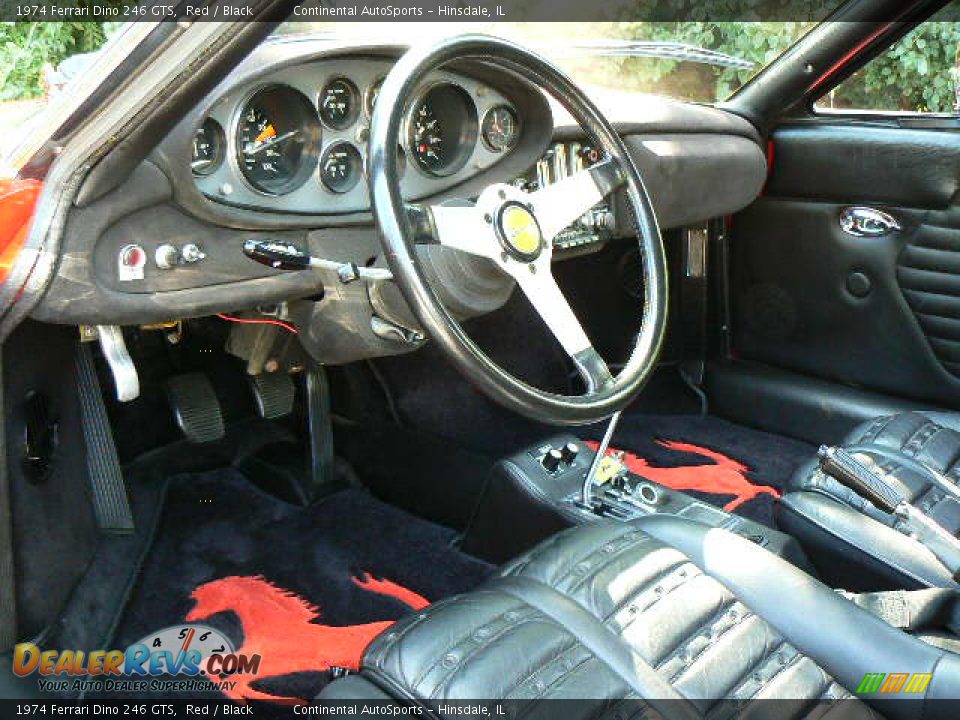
500,128
277,139
341,167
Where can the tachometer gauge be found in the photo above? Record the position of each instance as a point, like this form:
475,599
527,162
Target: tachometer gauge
207,153
341,167
442,129
500,128
278,136
339,103
427,139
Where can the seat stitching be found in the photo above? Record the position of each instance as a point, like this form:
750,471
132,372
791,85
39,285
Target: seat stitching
631,541
794,661
563,677
876,429
404,631
915,444
645,584
693,661
756,666
725,606
478,648
563,653
463,638
658,599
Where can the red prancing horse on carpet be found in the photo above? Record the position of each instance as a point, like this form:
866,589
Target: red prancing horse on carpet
279,626
723,476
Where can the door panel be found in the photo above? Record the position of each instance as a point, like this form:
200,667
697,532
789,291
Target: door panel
882,313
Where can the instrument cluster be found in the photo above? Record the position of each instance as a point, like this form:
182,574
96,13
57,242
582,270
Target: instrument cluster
296,141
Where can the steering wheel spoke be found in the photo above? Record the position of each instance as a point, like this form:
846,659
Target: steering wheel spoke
560,204
461,227
541,289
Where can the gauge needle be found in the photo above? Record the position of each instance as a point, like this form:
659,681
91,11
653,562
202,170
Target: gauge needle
254,148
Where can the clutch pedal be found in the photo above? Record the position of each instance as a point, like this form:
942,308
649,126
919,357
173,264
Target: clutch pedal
274,394
195,407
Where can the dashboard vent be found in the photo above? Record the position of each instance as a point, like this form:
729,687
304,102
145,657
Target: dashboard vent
929,275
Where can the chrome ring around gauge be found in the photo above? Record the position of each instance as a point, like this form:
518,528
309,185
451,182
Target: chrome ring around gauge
442,129
207,151
339,103
341,167
277,139
371,94
500,128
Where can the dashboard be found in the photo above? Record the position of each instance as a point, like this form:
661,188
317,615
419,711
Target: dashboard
277,151
295,140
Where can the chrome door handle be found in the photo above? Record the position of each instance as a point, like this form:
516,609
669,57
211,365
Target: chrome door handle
867,222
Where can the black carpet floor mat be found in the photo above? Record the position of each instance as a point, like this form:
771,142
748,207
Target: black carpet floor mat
306,588
737,468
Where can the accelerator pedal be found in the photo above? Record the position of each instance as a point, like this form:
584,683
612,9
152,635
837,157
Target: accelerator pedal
195,407
273,394
111,505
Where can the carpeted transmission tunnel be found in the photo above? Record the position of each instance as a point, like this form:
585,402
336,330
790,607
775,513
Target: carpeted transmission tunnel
305,588
741,470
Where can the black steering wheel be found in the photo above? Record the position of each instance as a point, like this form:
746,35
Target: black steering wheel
515,230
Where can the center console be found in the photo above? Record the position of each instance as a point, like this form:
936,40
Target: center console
537,492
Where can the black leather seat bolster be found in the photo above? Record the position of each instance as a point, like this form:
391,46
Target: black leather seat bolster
887,558
660,609
918,454
842,638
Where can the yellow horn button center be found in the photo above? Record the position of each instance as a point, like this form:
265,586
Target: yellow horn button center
520,229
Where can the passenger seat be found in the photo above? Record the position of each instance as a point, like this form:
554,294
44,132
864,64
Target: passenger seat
851,543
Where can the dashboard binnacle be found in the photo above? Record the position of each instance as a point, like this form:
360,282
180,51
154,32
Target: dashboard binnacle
296,140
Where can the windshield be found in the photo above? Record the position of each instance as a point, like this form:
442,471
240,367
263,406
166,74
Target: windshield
696,61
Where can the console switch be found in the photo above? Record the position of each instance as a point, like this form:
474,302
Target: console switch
569,452
552,460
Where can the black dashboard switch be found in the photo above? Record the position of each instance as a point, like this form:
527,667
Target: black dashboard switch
551,461
277,255
570,452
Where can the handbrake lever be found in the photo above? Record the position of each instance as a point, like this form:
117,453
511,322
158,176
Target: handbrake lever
287,256
847,470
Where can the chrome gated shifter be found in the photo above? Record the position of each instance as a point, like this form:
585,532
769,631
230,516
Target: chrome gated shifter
586,496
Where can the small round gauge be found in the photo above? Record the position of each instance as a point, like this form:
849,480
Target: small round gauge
370,98
208,144
278,137
442,129
339,103
500,128
341,167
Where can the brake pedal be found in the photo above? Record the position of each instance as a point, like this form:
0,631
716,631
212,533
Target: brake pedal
273,394
195,407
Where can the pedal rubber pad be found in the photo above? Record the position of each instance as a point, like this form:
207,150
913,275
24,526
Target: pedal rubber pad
195,407
110,502
274,394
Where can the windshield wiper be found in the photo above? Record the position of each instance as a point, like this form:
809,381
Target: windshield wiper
664,50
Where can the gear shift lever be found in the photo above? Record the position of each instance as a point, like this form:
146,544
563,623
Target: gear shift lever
587,493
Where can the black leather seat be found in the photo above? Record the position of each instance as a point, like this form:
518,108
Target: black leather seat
663,609
849,540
